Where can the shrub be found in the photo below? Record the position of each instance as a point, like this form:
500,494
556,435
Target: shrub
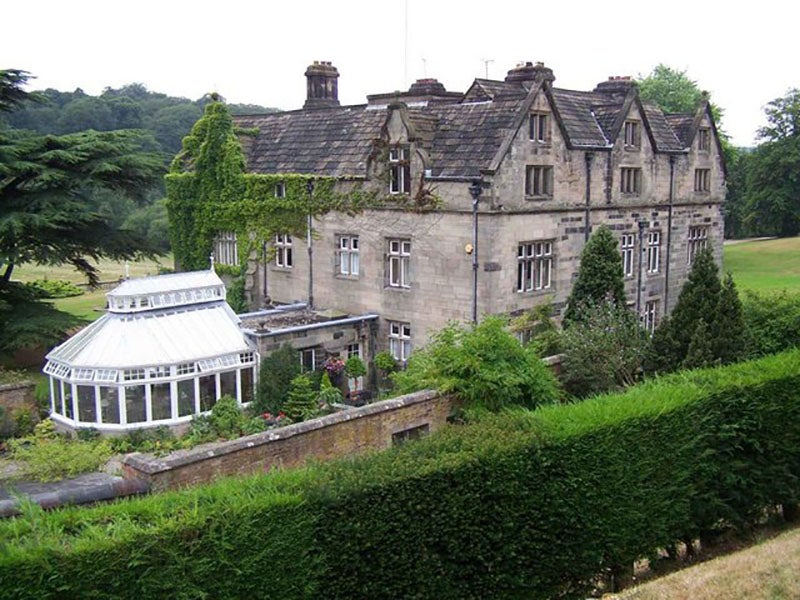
328,394
54,288
772,321
226,417
385,362
50,459
302,401
355,367
275,379
484,365
604,351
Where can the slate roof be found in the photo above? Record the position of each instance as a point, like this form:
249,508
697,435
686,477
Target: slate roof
327,141
461,138
682,125
663,134
576,111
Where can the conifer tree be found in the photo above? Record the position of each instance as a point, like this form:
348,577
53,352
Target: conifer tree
302,402
729,332
698,301
700,353
600,276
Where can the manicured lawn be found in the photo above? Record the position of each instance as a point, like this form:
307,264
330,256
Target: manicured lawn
90,304
109,270
765,266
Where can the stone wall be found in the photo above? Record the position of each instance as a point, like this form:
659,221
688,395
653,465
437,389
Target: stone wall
14,397
17,395
372,427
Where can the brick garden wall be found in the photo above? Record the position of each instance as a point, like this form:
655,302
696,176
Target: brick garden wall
345,433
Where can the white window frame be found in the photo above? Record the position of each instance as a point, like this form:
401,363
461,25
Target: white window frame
308,353
653,251
348,263
649,316
399,263
697,241
630,180
627,244
539,127
283,251
280,190
400,340
534,266
399,170
539,181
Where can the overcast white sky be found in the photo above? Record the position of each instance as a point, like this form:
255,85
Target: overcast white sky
256,52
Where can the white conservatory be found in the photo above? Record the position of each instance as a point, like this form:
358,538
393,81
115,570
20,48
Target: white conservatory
167,349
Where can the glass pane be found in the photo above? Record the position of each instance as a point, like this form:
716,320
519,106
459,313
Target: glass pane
227,383
354,264
208,392
109,404
185,397
160,398
247,385
68,400
135,409
87,412
57,396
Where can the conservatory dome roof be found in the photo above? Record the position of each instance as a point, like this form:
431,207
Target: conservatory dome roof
161,320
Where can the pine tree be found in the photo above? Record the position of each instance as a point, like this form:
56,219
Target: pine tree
600,276
698,301
699,353
728,332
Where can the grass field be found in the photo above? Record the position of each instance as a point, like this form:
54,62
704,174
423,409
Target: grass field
89,305
766,265
768,571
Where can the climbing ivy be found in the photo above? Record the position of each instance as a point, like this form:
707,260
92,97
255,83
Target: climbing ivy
208,191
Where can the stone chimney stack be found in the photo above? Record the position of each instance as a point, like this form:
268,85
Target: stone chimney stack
527,71
322,85
617,87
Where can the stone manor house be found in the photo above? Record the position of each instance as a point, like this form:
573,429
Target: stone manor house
491,195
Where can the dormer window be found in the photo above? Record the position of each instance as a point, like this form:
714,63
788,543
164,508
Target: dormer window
399,170
633,136
703,139
539,127
280,190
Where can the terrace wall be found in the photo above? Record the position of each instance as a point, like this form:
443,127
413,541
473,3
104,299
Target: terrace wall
372,427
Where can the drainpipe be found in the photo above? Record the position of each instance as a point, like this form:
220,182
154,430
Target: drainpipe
669,229
264,255
310,190
642,225
475,191
588,157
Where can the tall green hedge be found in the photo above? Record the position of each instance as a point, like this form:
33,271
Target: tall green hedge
522,505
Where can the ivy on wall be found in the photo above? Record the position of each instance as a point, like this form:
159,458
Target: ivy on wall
208,191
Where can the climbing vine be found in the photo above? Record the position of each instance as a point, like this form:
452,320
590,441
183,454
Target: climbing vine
208,191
